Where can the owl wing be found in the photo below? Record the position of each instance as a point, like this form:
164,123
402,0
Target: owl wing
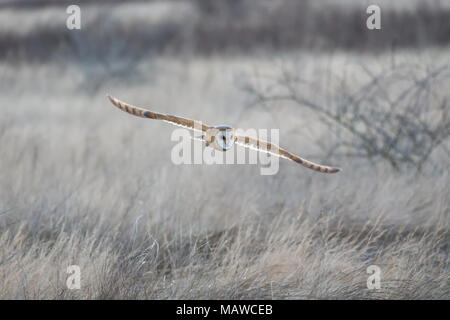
144,113
264,146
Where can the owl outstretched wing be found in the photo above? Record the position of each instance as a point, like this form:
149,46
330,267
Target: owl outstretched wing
144,113
264,146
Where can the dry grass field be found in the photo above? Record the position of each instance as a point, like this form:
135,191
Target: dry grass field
82,183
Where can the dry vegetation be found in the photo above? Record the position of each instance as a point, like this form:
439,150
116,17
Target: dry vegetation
82,183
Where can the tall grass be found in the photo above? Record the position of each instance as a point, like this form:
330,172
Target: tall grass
84,184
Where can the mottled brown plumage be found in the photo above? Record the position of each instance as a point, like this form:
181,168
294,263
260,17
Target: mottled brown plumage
144,113
227,137
271,148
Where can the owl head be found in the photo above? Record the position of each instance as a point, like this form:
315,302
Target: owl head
224,137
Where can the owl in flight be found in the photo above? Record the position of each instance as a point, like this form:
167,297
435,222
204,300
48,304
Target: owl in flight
222,137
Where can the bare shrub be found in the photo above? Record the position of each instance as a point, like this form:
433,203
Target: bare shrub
399,115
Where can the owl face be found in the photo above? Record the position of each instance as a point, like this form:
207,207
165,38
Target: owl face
225,138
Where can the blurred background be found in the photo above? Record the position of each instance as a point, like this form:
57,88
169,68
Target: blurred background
32,29
86,184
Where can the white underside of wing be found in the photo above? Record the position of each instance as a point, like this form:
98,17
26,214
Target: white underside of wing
198,138
183,126
193,137
254,147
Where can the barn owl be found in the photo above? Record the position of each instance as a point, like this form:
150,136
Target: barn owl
222,137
